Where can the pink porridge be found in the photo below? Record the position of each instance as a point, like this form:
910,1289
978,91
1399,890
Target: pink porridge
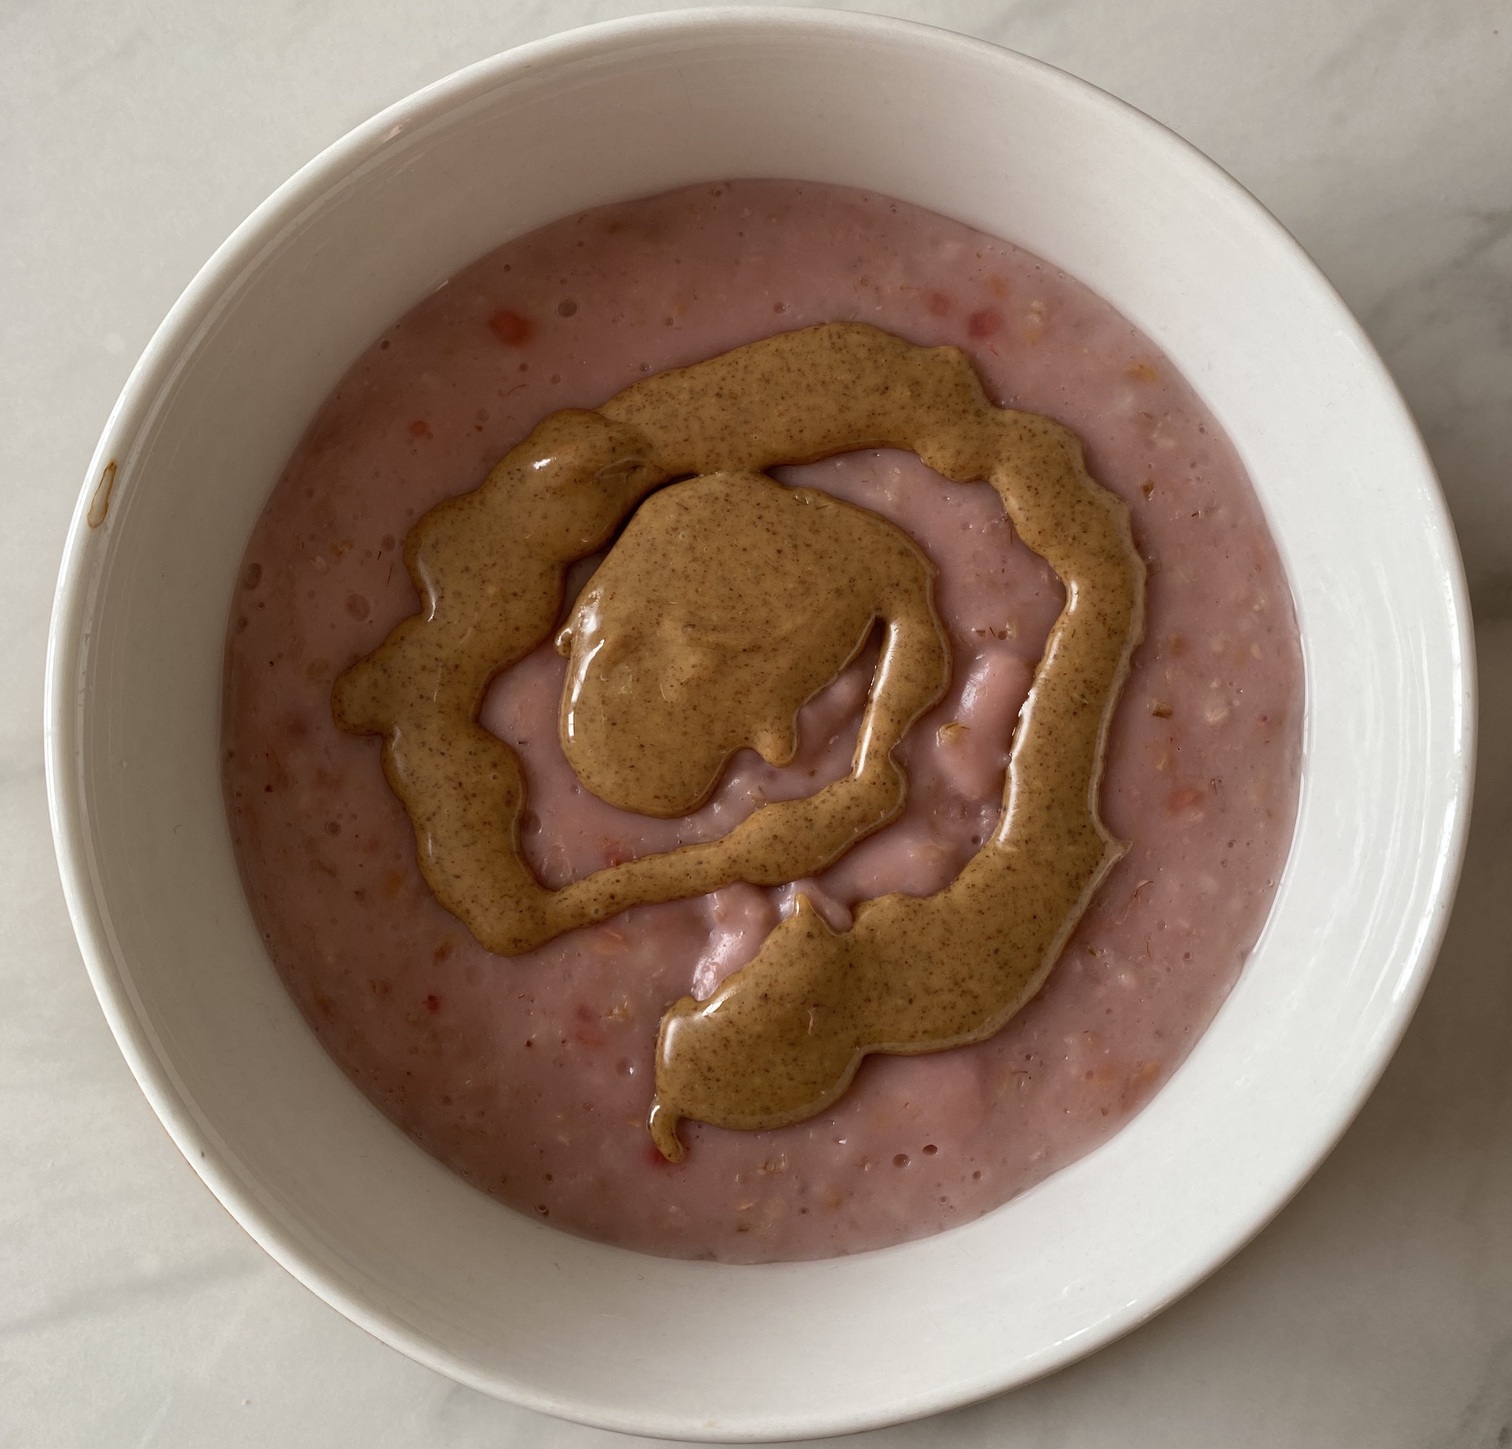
531,1075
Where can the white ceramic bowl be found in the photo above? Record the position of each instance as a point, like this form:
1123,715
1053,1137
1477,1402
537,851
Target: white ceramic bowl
339,1196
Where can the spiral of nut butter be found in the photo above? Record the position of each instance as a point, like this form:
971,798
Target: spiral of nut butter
727,602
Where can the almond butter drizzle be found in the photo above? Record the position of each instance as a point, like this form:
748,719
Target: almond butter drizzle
781,1039
728,602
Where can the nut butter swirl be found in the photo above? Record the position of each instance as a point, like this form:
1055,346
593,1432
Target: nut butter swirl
781,1039
728,602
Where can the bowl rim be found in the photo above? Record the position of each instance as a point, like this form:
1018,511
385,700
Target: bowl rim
78,579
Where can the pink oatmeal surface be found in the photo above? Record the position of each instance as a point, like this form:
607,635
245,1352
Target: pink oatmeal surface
531,1076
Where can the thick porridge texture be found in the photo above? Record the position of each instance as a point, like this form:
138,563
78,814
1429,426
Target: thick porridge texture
531,1069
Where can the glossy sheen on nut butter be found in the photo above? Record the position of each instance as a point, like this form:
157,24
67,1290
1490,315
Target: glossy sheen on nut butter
782,1037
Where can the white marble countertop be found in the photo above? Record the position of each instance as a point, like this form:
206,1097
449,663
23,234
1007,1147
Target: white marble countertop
1375,1311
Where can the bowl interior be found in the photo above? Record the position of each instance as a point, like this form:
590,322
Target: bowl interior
345,1200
